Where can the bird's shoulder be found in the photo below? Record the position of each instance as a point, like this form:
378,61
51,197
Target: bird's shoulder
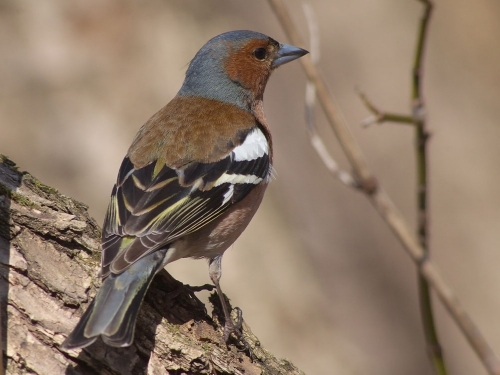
191,129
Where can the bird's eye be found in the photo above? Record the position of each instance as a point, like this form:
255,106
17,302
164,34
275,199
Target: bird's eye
260,53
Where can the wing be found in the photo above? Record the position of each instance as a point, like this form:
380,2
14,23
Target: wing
154,205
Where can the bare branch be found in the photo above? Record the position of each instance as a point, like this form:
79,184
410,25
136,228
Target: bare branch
310,100
49,256
383,204
335,118
434,348
380,117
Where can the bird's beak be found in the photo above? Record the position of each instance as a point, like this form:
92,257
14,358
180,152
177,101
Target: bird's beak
286,54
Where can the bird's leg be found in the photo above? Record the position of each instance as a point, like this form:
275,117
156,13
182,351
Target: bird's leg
215,271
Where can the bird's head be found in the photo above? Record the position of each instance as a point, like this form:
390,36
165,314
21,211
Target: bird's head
234,67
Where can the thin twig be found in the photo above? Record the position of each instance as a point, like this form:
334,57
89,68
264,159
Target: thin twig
386,209
310,100
380,117
417,119
334,116
434,348
383,204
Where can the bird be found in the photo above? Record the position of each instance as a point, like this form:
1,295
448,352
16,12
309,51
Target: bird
190,183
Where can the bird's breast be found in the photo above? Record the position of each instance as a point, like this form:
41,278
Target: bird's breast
214,238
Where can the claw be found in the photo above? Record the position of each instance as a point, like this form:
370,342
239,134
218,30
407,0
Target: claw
230,327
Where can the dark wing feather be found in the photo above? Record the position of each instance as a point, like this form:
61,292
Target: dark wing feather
153,205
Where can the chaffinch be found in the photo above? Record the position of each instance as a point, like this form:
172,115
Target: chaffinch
190,183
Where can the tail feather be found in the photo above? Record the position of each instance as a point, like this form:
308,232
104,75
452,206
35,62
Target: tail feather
113,312
77,339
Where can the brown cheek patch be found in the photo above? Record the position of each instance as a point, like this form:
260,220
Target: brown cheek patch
242,67
190,129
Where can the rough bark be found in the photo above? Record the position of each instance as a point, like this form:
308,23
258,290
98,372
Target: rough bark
49,258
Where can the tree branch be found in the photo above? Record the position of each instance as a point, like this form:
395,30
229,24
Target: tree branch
383,204
334,116
434,348
49,258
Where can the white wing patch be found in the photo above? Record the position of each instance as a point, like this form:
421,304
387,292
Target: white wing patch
238,179
255,146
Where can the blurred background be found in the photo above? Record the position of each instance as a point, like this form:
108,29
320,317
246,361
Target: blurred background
320,278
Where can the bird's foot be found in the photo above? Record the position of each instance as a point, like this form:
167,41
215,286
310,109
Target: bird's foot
230,327
236,327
